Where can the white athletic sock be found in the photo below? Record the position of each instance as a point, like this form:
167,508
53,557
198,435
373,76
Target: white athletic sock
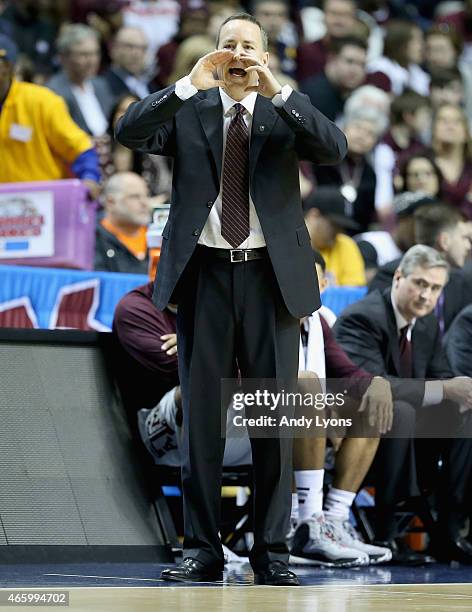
337,504
294,513
310,492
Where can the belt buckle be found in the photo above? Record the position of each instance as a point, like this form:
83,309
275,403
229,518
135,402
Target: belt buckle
233,253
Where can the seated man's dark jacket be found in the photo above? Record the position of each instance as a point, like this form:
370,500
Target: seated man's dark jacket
367,331
111,255
458,343
457,292
340,366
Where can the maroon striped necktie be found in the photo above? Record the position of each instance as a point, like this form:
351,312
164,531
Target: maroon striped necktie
406,362
235,196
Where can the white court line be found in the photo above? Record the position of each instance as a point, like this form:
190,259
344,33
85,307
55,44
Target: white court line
321,587
106,577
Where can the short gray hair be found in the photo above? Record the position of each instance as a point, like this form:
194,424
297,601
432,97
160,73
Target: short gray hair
370,114
421,256
72,34
369,96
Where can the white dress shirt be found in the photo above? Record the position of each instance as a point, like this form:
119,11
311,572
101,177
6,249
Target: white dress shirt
90,109
433,389
211,233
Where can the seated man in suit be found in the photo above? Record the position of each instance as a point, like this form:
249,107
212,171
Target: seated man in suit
394,333
443,228
150,385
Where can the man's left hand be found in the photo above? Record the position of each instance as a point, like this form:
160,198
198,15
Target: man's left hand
267,84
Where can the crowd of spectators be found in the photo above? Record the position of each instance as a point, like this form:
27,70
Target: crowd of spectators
396,76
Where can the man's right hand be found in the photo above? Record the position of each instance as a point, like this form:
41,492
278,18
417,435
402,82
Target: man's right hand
378,402
203,75
459,390
170,344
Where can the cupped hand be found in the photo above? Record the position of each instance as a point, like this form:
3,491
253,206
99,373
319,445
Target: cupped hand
267,85
203,75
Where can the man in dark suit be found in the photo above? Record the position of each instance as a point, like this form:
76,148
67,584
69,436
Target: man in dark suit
236,257
394,334
458,343
441,227
88,99
126,74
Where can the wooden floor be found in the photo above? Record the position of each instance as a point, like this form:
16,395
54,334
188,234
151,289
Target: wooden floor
330,598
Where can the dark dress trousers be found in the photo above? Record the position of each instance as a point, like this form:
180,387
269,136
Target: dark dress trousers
367,332
233,316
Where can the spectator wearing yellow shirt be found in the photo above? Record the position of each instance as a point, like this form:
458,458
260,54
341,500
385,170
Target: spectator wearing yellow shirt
326,216
121,244
38,139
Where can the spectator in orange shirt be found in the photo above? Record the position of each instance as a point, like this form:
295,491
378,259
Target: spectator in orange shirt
121,234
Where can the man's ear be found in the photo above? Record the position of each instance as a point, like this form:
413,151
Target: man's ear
443,242
396,277
265,59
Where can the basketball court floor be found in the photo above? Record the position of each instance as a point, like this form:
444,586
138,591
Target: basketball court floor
109,587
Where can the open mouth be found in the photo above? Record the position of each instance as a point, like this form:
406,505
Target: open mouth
239,72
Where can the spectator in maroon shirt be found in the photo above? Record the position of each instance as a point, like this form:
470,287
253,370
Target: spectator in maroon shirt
461,23
410,121
193,21
399,67
340,18
452,152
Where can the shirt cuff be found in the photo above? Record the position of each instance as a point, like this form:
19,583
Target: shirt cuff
184,88
282,97
433,392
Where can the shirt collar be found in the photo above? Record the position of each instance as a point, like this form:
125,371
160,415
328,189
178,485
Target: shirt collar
86,89
248,102
400,320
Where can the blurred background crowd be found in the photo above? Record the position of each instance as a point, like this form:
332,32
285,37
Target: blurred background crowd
394,74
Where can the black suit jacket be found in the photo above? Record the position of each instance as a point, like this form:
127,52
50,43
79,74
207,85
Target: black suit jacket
116,85
367,331
192,133
458,343
61,84
457,292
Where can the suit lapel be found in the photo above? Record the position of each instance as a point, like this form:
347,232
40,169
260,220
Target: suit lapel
263,121
210,112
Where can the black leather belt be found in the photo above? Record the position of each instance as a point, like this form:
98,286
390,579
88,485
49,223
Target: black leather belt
234,255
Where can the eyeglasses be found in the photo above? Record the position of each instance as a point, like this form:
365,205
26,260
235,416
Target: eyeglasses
133,46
